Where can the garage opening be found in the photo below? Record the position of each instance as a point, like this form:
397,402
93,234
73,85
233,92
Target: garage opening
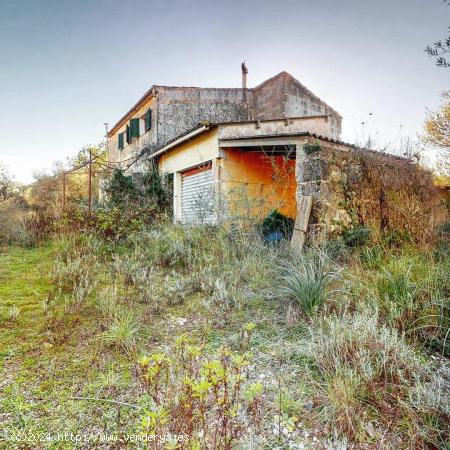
197,195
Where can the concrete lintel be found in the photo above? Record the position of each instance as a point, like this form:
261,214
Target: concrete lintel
227,143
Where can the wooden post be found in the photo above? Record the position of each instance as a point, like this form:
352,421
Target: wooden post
63,189
90,184
301,224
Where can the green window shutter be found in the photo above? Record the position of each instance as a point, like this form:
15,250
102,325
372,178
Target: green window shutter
128,134
134,128
120,141
148,119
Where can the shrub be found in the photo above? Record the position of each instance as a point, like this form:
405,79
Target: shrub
397,238
73,272
108,301
17,224
371,257
229,292
13,313
121,189
115,223
203,398
150,285
444,230
311,147
357,236
276,226
441,249
74,276
337,250
307,280
396,289
133,202
409,290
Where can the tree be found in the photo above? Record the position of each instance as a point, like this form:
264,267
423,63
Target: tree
440,48
99,157
437,125
8,188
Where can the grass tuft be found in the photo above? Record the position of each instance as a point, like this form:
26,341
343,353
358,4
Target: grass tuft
307,280
123,331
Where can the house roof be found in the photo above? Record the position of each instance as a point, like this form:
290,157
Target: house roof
148,94
208,126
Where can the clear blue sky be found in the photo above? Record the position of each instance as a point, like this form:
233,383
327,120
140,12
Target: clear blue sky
69,66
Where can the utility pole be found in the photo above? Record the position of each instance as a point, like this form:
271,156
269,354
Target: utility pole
107,140
63,189
90,183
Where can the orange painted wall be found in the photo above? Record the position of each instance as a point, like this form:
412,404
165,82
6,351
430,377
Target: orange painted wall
256,183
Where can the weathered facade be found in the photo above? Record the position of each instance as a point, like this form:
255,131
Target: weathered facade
350,186
164,112
249,174
245,152
327,186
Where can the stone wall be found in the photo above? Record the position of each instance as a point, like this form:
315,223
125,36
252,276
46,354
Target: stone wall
351,187
284,96
182,108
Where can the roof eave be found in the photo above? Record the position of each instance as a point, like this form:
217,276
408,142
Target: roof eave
147,96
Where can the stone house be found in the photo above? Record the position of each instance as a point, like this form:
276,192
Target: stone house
246,152
165,112
248,169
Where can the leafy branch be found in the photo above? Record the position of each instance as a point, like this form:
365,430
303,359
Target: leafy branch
440,48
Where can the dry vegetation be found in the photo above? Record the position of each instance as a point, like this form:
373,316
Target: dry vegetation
215,338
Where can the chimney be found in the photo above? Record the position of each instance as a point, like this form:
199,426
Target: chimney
244,81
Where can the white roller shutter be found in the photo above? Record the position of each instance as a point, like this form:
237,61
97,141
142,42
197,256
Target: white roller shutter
197,197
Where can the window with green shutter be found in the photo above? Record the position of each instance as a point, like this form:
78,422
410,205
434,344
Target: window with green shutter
148,119
128,134
120,141
134,128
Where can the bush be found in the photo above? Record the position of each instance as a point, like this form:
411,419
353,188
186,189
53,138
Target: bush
276,226
444,230
409,290
357,236
120,189
311,147
74,275
203,398
115,223
337,250
397,238
371,257
17,224
442,247
133,202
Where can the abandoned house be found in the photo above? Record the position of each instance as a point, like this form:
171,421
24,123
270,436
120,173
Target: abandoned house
248,151
165,112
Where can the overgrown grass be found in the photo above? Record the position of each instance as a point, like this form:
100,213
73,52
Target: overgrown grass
366,378
16,225
354,367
